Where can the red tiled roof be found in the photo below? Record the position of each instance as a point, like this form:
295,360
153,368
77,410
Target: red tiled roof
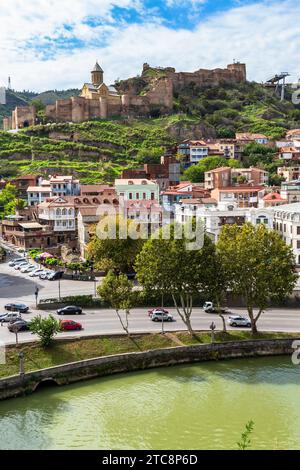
242,189
272,197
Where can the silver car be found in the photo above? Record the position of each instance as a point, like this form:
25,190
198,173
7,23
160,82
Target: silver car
158,315
237,320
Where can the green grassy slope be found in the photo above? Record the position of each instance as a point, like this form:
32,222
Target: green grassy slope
99,150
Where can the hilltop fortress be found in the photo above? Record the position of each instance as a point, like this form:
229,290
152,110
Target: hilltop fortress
141,96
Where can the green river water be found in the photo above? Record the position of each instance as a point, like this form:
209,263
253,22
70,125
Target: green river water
202,406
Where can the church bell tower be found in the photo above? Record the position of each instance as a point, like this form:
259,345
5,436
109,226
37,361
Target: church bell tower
97,75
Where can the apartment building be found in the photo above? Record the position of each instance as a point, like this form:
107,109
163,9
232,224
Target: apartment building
290,190
56,186
137,189
287,224
242,196
214,218
225,176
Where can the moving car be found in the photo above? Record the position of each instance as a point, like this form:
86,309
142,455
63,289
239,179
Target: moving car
21,325
237,320
69,310
16,307
10,317
157,309
209,307
161,316
67,325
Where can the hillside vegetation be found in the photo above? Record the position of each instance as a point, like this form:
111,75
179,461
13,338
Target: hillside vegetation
97,151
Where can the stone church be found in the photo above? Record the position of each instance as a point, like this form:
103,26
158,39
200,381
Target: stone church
100,101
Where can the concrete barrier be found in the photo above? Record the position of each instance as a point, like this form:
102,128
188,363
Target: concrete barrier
18,385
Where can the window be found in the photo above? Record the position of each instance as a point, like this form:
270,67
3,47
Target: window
137,196
298,244
130,196
152,196
298,230
144,195
58,212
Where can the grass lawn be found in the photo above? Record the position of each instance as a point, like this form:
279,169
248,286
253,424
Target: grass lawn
61,352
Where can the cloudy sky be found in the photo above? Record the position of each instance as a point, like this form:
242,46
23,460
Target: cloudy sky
46,44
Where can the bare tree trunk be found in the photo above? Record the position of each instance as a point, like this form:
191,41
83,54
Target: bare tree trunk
224,322
124,325
187,311
252,319
221,316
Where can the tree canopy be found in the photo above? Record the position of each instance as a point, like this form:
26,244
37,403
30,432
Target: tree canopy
259,266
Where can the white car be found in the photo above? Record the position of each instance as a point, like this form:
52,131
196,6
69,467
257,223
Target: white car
159,315
36,272
14,262
27,269
21,265
237,320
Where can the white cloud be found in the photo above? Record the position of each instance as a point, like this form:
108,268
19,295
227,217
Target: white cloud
266,36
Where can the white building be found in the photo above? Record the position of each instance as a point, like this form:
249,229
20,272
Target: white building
59,214
214,218
38,194
287,224
56,186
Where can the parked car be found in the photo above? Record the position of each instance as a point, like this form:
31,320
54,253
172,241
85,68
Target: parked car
10,317
28,269
56,275
14,262
16,307
45,274
36,272
21,265
67,325
237,320
157,309
161,316
209,307
69,310
22,325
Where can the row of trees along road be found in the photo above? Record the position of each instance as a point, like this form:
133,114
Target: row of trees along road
251,261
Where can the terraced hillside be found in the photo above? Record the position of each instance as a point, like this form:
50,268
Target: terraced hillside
99,150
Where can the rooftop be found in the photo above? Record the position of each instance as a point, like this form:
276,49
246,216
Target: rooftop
273,197
138,181
292,208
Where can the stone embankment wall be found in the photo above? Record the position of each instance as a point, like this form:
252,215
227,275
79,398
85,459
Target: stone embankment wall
73,372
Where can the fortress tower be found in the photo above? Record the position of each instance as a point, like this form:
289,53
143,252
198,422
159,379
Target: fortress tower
97,75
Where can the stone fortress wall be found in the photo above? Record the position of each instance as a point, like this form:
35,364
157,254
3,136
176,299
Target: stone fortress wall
98,101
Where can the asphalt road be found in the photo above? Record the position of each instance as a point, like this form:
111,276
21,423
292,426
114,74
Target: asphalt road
15,286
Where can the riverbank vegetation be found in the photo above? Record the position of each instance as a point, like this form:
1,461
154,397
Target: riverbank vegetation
65,351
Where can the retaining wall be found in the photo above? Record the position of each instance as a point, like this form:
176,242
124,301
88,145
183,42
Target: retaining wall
76,371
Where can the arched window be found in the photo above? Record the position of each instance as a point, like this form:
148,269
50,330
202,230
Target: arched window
70,211
58,212
64,212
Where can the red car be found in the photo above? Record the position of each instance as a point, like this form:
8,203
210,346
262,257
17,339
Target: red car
67,325
157,309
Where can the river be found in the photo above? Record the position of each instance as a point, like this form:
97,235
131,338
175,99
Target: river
200,406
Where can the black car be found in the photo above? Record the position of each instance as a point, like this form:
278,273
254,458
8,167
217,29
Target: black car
69,310
19,325
15,307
